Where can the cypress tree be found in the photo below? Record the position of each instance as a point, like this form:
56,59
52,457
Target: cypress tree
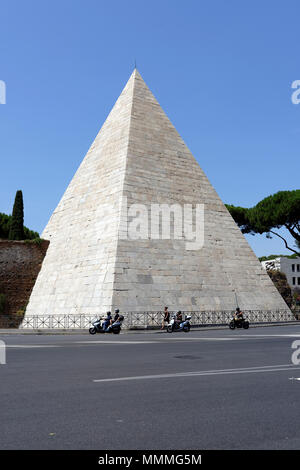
16,231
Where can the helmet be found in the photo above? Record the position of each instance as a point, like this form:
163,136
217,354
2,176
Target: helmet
108,313
117,310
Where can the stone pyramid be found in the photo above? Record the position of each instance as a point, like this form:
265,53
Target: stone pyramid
92,266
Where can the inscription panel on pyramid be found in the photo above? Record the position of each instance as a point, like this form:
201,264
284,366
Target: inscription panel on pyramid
91,266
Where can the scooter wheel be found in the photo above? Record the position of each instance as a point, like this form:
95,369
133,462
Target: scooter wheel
169,329
92,331
116,332
246,325
232,325
186,328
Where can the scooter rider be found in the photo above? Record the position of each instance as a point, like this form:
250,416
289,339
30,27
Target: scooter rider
179,318
117,320
117,315
239,315
106,321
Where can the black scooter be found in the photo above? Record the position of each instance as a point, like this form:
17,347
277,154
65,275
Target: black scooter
115,328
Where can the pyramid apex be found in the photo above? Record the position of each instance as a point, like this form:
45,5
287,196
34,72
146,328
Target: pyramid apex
135,75
135,72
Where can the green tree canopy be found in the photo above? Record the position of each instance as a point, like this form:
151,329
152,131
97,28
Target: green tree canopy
5,221
274,212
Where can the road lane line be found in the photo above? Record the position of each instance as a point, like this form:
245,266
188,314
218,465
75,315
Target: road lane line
116,342
173,340
31,346
231,337
161,341
284,367
210,338
272,336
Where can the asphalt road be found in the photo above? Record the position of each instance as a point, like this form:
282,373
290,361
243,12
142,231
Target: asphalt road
215,389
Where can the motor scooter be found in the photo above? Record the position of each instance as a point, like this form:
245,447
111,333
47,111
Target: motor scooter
176,326
238,323
114,328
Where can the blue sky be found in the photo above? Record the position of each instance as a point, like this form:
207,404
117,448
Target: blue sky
221,70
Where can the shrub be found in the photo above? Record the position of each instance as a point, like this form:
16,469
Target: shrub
5,222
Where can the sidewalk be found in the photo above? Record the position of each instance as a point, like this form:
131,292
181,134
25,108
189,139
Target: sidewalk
79,331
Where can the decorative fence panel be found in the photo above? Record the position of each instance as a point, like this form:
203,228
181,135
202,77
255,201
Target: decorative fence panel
153,320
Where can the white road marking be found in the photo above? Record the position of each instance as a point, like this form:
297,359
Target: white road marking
162,340
116,342
187,339
233,338
274,336
246,370
208,338
165,339
29,346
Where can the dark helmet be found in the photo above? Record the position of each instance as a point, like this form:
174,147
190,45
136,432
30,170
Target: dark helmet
117,310
238,309
179,312
108,313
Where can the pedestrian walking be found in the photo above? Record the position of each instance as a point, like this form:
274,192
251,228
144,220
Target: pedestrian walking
166,318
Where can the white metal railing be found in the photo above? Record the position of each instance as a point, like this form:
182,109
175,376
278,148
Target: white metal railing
144,320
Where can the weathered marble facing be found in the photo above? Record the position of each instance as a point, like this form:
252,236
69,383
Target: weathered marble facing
139,157
161,169
78,274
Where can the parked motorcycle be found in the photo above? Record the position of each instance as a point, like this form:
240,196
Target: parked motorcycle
115,328
238,323
176,326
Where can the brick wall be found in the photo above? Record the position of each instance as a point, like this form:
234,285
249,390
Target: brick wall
20,263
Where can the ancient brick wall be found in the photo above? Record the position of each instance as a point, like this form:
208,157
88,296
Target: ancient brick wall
20,263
